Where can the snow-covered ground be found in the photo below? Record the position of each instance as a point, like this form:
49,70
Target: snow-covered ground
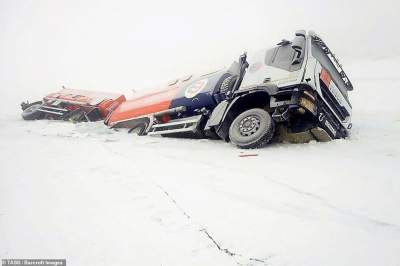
99,197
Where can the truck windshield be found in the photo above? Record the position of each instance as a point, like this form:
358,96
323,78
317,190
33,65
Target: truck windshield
326,63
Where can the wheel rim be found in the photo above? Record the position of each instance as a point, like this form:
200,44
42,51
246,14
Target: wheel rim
249,125
136,130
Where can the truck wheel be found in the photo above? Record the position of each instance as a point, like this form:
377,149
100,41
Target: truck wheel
139,130
32,112
252,129
76,116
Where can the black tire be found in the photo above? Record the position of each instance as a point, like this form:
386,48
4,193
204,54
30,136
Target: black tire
25,105
227,84
75,116
32,113
252,129
139,130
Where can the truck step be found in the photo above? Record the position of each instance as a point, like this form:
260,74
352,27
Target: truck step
189,124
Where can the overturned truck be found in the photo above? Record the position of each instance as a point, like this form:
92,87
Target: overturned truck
72,105
296,91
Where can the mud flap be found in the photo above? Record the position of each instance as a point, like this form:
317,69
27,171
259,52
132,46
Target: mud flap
320,134
217,115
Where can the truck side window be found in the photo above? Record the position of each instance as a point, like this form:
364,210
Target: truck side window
282,57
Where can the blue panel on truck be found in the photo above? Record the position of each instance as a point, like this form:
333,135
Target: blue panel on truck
199,94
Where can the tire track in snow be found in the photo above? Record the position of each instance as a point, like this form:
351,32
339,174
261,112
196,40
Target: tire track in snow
326,203
186,215
226,251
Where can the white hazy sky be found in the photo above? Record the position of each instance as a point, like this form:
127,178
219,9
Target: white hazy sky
120,45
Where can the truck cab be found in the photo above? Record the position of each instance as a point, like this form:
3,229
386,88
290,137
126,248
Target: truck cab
301,85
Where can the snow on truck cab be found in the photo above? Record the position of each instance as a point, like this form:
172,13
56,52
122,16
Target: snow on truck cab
296,91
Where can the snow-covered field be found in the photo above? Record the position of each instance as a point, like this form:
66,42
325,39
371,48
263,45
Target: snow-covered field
99,197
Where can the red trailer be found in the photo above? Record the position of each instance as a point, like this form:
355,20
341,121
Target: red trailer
74,105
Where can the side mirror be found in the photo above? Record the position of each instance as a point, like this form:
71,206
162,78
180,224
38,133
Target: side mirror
243,65
234,68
